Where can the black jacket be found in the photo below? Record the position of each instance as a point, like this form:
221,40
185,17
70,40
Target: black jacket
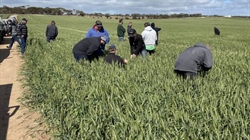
136,44
113,58
22,29
194,59
155,28
51,31
87,46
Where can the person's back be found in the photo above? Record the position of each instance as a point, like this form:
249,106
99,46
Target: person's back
83,45
194,59
112,58
149,35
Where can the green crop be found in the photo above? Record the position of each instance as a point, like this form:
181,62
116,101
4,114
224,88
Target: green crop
146,100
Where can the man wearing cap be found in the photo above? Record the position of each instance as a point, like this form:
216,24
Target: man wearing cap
197,58
22,31
96,31
113,58
87,48
149,37
137,45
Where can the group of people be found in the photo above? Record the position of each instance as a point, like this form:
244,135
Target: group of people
19,32
195,59
189,63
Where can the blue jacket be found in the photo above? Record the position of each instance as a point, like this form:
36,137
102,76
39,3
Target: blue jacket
94,33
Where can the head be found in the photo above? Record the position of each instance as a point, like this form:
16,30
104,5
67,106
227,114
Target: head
53,22
98,25
146,24
132,33
103,39
112,48
24,20
120,21
130,24
9,21
152,24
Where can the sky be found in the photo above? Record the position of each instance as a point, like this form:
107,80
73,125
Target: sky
205,7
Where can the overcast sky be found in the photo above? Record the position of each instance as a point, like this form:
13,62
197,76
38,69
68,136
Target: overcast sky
205,7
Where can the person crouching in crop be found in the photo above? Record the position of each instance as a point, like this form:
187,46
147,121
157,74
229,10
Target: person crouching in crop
88,48
113,58
197,58
137,45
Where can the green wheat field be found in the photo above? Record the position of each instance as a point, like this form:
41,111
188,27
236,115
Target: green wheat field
144,101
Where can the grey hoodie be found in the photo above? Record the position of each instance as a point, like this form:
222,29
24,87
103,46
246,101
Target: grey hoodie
194,59
13,29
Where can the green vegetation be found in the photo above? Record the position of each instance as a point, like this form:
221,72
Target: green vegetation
146,100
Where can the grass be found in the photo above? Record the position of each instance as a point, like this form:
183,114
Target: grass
146,100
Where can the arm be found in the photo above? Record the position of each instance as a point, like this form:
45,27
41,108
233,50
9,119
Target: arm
208,61
56,33
107,36
159,29
47,30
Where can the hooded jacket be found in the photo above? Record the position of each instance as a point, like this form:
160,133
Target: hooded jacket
194,59
94,33
149,36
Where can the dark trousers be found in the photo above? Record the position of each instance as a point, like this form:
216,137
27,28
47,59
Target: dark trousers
13,39
78,57
23,44
151,52
185,74
48,38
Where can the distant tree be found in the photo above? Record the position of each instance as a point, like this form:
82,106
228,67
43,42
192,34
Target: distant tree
107,15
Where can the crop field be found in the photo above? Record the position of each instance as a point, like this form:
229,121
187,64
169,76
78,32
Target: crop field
145,100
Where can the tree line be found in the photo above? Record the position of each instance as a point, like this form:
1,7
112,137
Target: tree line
27,9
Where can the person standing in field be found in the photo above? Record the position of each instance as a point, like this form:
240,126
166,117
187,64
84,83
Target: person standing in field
97,31
129,27
51,31
137,45
193,60
22,31
149,37
87,48
156,30
113,58
13,31
121,30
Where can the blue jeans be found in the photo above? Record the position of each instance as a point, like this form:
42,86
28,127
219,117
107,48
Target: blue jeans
144,52
23,44
78,57
13,39
121,38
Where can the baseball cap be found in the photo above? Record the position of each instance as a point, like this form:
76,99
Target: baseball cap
132,32
24,19
103,38
112,46
98,22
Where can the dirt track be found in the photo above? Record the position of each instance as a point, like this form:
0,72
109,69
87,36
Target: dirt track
16,121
